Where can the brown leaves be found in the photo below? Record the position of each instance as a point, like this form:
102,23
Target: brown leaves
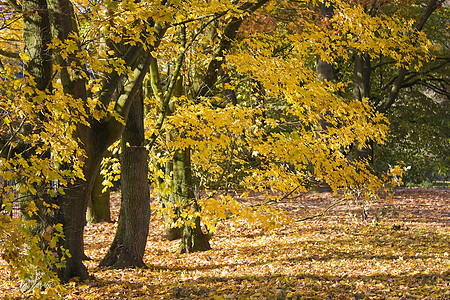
336,257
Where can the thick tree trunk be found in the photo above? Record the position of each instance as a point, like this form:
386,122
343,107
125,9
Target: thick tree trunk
128,246
73,207
99,205
71,214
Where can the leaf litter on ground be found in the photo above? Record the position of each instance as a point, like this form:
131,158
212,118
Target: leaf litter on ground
400,252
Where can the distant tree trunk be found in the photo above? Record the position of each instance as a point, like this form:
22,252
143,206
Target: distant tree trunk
325,73
193,239
128,246
361,91
168,202
99,205
325,70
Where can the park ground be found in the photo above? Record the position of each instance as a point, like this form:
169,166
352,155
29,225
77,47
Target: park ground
401,251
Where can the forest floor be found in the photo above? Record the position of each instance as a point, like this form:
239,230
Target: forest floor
401,251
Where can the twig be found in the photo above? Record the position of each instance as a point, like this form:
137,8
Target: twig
13,135
273,201
323,212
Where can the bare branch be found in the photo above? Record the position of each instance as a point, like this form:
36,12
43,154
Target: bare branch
9,54
322,213
14,5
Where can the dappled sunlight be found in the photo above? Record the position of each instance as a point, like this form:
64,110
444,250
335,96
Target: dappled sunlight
331,257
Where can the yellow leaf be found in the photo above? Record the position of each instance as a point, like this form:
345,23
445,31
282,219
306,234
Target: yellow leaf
24,57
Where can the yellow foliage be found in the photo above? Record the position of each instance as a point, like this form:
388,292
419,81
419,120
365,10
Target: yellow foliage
273,145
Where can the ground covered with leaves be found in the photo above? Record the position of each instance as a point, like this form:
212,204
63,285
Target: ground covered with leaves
401,251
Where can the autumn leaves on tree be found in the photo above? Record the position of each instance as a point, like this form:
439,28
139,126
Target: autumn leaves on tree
203,95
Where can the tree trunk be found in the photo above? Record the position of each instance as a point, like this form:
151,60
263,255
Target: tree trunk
73,207
37,36
168,202
325,73
71,214
99,206
193,239
361,91
128,246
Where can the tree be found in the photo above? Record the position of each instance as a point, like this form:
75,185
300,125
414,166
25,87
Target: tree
96,131
183,201
289,82
128,246
366,81
413,139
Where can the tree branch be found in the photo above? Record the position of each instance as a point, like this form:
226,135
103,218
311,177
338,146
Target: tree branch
164,105
285,196
12,136
14,5
321,214
229,34
9,54
397,84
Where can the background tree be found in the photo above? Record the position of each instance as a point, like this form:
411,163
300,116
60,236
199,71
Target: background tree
203,85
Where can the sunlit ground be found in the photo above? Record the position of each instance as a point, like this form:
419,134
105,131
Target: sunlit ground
401,252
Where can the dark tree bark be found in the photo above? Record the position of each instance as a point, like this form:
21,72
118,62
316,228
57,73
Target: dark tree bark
128,246
94,138
37,36
73,212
